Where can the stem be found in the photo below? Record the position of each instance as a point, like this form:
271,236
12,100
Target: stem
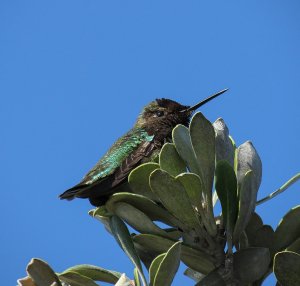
290,182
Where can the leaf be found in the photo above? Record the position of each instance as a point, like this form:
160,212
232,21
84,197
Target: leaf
212,279
75,279
102,214
224,147
41,273
265,238
170,161
203,140
26,281
174,197
254,224
147,206
136,277
139,179
248,159
295,246
137,219
123,237
288,229
95,273
247,200
250,264
183,144
196,276
193,258
154,267
168,266
226,187
287,268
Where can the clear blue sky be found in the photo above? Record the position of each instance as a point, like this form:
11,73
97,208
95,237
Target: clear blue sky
75,74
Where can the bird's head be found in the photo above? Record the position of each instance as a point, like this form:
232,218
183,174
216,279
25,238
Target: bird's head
160,116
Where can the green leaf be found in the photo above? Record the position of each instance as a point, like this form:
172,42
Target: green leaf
75,279
247,200
124,239
95,273
226,187
26,281
193,258
225,149
265,238
136,277
295,246
288,229
139,179
182,140
196,276
136,218
41,273
168,266
212,279
102,214
254,224
250,264
170,161
147,206
287,268
174,197
154,267
203,140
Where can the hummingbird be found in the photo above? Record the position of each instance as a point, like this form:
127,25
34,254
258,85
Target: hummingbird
152,129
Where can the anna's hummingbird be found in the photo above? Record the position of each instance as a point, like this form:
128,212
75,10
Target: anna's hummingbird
152,129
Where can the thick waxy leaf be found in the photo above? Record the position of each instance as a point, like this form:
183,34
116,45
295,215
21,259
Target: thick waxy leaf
147,206
95,273
247,200
103,215
168,266
288,229
137,219
287,268
224,147
254,224
174,197
139,179
124,239
75,279
295,246
212,279
248,159
41,273
265,238
26,281
136,277
226,186
170,161
183,144
193,258
203,140
154,267
251,264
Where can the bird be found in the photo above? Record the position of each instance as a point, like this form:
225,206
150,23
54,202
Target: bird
140,144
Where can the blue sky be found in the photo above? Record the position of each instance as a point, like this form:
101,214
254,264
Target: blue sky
75,74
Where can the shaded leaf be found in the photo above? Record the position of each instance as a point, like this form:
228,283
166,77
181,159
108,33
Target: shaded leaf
41,273
254,224
147,206
168,266
123,237
287,268
75,279
137,219
193,258
212,279
226,186
154,267
265,238
170,161
288,229
174,197
250,264
196,276
95,273
136,277
139,179
102,214
26,281
295,246
247,200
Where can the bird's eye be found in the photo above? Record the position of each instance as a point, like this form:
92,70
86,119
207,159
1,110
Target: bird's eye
159,113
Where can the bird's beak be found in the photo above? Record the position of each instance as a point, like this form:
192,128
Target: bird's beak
196,106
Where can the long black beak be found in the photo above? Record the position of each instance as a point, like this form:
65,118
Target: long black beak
192,108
